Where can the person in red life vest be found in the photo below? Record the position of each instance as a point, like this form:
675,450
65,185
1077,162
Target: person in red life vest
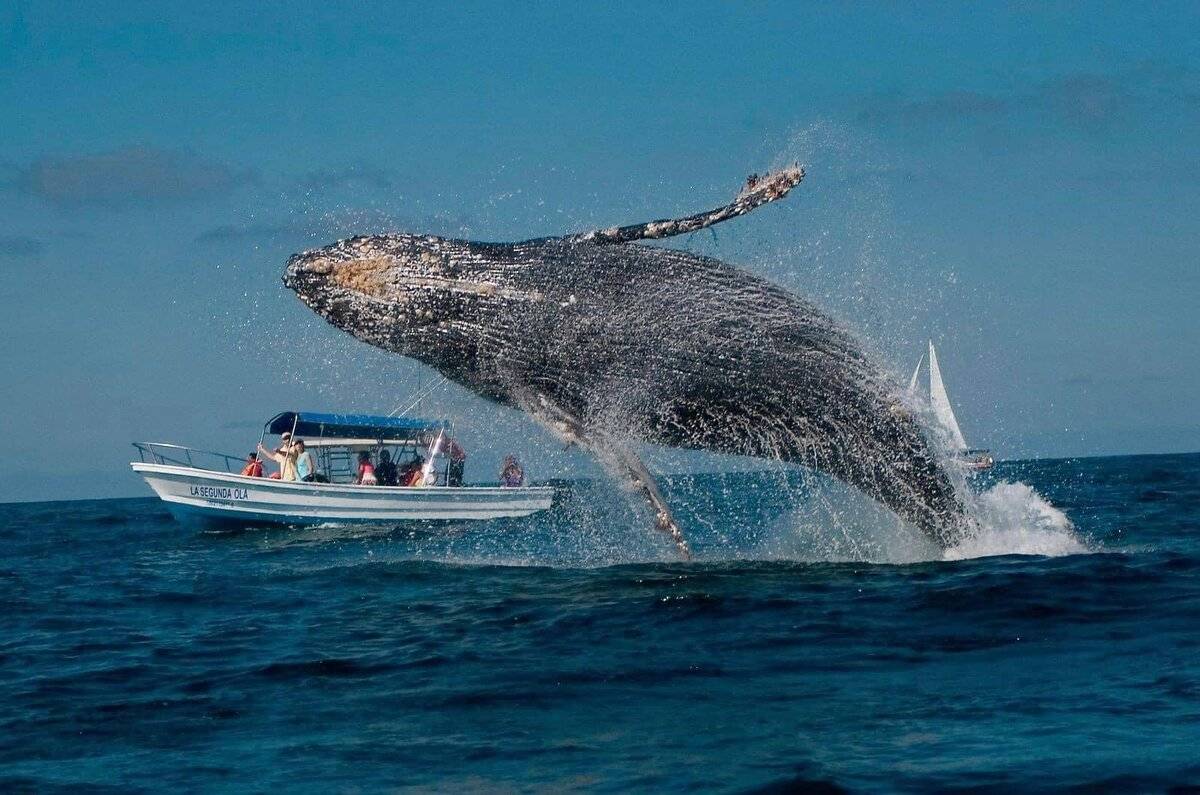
253,466
366,470
458,460
413,473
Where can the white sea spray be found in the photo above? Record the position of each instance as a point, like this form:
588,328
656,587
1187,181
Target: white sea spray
1013,519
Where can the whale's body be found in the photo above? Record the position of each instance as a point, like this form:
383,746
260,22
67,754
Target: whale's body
615,342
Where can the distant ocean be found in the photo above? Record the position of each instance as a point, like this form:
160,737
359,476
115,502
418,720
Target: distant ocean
811,646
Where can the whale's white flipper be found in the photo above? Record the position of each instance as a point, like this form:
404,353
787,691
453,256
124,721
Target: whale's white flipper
757,192
615,455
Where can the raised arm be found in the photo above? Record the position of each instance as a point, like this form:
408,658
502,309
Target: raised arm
757,192
269,454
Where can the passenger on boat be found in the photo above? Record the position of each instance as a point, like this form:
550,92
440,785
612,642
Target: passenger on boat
413,473
366,470
285,441
285,457
511,474
458,460
306,470
253,466
386,473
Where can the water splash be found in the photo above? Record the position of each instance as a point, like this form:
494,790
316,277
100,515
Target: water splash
818,519
1015,520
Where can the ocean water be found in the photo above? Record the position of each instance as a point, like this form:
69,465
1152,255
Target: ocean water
813,644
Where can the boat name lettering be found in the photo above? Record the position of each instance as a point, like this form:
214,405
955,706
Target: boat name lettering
219,492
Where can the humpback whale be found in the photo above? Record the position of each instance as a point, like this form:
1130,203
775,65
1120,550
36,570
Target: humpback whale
610,342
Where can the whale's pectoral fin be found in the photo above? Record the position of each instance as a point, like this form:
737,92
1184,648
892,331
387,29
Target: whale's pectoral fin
625,460
563,423
615,455
757,192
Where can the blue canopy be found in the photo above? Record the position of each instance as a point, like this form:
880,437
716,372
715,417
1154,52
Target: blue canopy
353,426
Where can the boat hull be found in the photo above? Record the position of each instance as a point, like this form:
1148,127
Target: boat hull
199,493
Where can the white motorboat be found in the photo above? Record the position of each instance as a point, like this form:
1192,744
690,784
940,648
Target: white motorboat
195,483
939,402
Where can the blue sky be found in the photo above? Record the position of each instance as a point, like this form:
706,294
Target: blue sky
1020,183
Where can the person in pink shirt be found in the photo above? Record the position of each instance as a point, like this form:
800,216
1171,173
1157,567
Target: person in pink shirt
366,470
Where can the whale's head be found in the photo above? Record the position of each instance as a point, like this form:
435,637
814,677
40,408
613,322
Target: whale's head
412,294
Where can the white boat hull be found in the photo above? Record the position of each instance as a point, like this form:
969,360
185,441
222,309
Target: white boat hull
189,492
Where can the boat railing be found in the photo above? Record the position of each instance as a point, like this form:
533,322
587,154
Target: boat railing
179,455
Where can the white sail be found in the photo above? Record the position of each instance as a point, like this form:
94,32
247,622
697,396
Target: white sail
941,403
912,382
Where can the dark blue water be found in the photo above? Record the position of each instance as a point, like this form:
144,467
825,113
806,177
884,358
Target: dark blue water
140,653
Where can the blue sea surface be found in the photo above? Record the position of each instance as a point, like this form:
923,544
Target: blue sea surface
569,652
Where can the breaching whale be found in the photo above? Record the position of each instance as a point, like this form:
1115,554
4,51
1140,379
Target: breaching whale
609,342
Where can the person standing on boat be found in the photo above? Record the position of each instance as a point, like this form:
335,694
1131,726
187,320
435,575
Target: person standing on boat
285,457
253,466
458,460
285,441
306,470
366,471
511,474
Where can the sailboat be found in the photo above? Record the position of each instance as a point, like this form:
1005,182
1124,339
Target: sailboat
939,402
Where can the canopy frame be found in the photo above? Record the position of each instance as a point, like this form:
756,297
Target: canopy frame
354,426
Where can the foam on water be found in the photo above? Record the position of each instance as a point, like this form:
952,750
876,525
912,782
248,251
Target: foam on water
1015,520
834,523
